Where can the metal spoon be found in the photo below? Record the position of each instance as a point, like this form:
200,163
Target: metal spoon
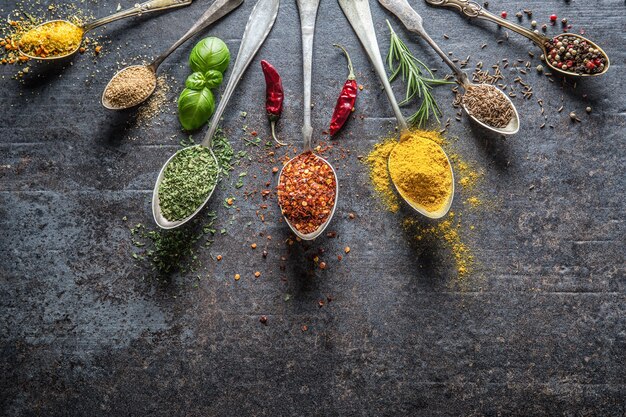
258,27
413,22
137,10
360,17
308,14
216,11
473,9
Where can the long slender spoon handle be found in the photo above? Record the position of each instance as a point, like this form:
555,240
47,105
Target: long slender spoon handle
308,15
136,10
216,11
472,9
258,27
413,22
360,17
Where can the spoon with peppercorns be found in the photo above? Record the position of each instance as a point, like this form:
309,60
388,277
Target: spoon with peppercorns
567,53
307,186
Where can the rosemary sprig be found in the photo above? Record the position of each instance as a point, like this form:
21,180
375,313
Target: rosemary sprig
418,77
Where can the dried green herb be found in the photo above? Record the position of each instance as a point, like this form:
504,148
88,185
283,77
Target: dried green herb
188,179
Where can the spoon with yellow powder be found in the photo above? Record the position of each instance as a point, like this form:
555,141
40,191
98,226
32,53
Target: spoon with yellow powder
419,168
58,39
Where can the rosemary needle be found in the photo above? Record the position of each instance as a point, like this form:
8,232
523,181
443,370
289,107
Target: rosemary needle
418,77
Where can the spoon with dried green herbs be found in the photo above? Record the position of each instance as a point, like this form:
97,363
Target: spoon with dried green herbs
133,85
567,53
57,39
414,162
187,180
485,104
307,185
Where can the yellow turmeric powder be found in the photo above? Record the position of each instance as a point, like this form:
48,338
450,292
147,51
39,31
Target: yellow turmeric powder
421,171
52,39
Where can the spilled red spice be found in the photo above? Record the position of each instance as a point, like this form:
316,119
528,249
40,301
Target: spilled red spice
306,192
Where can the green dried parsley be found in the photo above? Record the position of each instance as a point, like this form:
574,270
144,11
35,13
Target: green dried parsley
187,181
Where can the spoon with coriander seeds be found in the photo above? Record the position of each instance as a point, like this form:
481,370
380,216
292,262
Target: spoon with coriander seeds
133,85
567,53
187,180
307,184
484,103
418,167
57,39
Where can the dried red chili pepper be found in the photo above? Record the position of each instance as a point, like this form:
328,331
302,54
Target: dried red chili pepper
346,100
274,96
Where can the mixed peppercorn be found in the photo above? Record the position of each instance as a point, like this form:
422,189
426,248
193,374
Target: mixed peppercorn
307,189
574,54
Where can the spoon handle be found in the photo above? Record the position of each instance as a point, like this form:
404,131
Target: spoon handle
413,22
258,27
136,10
358,14
308,15
472,9
216,11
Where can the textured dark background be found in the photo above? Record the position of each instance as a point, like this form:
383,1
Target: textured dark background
538,328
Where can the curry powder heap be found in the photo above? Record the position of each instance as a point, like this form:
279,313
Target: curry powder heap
421,171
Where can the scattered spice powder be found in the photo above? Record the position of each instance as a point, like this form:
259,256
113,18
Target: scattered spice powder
448,230
53,39
421,171
488,104
307,190
188,179
379,173
130,87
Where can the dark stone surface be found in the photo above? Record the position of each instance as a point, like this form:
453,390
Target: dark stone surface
539,327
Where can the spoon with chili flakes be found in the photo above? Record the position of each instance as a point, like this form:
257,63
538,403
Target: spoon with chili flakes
307,185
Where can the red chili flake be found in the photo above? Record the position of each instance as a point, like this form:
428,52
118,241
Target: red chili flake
553,18
263,320
254,133
322,265
504,14
306,192
339,257
304,328
320,303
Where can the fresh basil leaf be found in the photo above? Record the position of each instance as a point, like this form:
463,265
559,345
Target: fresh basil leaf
196,81
209,54
195,107
213,79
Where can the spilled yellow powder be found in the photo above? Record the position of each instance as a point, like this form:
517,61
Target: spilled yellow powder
379,174
474,201
421,171
449,231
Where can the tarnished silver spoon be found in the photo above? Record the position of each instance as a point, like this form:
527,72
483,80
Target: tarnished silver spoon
360,17
258,27
308,15
474,10
217,10
413,22
136,10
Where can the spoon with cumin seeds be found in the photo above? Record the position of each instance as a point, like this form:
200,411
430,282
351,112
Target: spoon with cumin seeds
133,85
484,103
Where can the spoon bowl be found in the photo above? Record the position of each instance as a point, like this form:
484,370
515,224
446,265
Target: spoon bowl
157,214
436,214
510,129
55,57
138,9
322,227
110,106
544,48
